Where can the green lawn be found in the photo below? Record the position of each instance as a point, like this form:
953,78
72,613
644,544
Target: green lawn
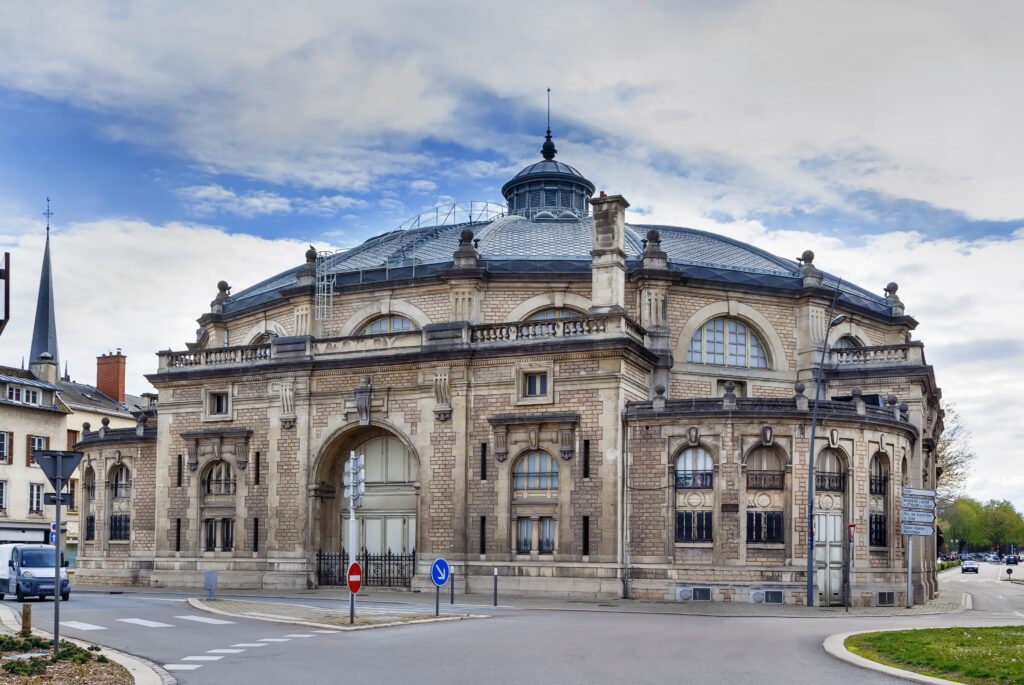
968,655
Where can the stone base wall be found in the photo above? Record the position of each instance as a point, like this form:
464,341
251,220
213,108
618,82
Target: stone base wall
555,580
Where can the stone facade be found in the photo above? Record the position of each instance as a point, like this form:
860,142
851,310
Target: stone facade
619,426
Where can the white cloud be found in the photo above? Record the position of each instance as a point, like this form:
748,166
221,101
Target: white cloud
205,200
871,87
421,185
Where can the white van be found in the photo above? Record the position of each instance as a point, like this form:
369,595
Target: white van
27,570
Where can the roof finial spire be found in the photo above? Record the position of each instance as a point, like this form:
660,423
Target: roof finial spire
48,214
548,150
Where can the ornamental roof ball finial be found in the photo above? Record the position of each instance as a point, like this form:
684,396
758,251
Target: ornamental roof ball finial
730,386
466,237
799,388
659,390
856,392
223,286
807,257
311,255
105,421
904,407
653,236
891,400
891,289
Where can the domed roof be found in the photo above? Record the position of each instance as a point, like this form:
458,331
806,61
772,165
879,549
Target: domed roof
549,168
555,245
547,171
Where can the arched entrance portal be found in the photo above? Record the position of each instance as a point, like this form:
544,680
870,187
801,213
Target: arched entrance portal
386,523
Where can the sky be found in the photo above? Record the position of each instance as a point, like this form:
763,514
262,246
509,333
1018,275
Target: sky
184,143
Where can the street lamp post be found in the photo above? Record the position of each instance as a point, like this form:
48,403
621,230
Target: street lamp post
832,323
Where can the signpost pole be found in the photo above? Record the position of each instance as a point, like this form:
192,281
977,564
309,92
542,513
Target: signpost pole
351,607
452,590
495,586
910,572
437,600
57,584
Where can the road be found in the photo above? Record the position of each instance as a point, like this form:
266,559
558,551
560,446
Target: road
514,646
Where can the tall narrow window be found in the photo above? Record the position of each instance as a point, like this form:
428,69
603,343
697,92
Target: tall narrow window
211,534
227,535
255,535
256,471
3,495
177,535
586,459
483,461
693,526
524,536
181,470
547,535
586,536
121,482
5,447
35,498
483,535
73,492
36,443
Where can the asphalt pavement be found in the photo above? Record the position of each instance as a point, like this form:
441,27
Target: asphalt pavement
515,645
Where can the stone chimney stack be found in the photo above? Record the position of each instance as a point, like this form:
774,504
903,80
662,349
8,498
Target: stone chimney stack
608,256
110,370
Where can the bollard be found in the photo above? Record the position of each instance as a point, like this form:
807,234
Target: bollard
210,583
26,620
495,586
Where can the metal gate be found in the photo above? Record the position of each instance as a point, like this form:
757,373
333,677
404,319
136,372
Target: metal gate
379,570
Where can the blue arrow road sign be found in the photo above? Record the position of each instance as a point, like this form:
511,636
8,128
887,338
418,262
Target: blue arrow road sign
439,572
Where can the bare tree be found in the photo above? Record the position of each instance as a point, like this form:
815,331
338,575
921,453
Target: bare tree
954,456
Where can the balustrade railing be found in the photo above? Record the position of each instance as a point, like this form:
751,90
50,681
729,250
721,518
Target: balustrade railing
765,480
216,356
874,354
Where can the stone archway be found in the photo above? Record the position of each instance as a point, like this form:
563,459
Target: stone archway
387,520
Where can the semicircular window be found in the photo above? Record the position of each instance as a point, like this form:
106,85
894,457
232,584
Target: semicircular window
555,314
727,342
389,324
846,342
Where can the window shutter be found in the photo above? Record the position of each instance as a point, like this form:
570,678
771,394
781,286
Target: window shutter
774,519
28,450
751,524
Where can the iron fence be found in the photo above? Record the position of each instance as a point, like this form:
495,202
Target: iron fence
386,569
878,483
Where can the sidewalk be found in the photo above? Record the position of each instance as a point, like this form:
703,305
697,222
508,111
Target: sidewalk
946,603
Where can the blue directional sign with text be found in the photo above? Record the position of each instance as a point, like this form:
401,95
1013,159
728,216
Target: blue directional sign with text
439,572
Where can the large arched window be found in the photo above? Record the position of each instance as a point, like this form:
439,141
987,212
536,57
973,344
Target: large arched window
121,482
219,479
879,473
536,470
829,474
727,342
694,469
765,469
392,323
847,342
555,314
387,461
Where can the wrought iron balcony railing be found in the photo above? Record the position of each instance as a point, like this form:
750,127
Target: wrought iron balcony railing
830,481
765,480
695,480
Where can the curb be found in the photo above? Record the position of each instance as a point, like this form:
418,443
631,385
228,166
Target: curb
202,605
142,671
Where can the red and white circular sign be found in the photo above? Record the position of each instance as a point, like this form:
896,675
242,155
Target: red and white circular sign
354,577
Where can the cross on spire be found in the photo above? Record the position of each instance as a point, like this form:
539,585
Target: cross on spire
48,213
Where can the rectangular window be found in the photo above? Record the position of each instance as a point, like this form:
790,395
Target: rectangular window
121,527
586,535
72,439
13,393
177,535
256,471
30,396
5,447
227,540
255,535
483,535
3,495
547,535
35,443
693,526
764,526
218,403
181,470
35,498
211,534
524,536
586,459
535,384
73,491
90,527
483,461
877,533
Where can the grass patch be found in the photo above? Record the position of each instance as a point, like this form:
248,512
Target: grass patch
980,656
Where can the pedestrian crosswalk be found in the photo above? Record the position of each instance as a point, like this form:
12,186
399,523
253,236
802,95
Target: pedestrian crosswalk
145,623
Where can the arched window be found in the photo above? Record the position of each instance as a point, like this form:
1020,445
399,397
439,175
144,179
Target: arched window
727,342
263,338
121,481
879,474
828,471
847,342
387,461
555,314
219,479
765,469
392,323
536,470
694,469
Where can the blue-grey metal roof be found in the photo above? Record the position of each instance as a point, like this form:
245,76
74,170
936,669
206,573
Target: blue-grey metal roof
44,330
22,380
515,244
547,170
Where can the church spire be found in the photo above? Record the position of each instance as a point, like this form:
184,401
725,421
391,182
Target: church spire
44,332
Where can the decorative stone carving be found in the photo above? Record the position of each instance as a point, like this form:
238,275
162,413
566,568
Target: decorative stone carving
364,396
193,455
501,444
693,435
242,454
287,393
767,436
567,443
533,434
442,395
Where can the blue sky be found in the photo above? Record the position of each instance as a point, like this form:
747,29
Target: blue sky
186,143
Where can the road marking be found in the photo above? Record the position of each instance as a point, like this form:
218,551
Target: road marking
326,632
299,635
257,613
202,658
224,651
205,619
78,625
1019,614
276,639
144,623
250,644
182,667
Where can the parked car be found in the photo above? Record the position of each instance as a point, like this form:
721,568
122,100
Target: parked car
27,570
969,566
1013,559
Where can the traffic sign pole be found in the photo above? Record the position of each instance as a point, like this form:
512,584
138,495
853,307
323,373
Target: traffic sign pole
57,584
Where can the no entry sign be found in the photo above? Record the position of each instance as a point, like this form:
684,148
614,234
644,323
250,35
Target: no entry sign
354,577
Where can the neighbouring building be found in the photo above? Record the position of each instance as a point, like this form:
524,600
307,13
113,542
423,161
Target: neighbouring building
592,407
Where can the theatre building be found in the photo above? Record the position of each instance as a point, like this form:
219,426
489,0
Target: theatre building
593,407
